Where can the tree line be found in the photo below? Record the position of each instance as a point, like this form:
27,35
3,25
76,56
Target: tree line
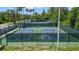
69,16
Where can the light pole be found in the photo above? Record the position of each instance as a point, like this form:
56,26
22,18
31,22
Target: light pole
58,30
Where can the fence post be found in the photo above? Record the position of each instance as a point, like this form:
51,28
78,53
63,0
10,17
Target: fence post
52,38
6,40
68,37
0,36
0,40
21,33
37,35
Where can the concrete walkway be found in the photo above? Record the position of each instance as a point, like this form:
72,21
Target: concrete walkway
9,32
5,25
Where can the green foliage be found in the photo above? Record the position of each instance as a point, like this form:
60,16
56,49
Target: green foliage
53,13
68,17
73,16
69,48
63,13
40,48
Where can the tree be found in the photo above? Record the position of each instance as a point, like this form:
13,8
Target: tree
53,15
19,11
35,16
30,10
44,16
73,17
63,13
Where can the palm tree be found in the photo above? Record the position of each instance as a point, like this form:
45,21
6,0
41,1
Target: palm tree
36,15
29,10
19,10
10,17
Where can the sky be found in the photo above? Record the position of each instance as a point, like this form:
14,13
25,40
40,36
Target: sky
37,9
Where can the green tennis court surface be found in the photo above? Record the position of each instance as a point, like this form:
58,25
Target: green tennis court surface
39,36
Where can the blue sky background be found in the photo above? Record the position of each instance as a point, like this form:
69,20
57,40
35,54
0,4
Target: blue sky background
37,9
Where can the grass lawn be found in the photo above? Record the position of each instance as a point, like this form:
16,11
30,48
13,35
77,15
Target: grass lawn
40,48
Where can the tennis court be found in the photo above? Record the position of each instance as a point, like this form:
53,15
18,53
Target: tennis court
46,34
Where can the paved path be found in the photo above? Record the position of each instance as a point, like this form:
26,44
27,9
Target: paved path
9,32
5,25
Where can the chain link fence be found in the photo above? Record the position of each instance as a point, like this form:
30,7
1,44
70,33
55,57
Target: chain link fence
36,34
